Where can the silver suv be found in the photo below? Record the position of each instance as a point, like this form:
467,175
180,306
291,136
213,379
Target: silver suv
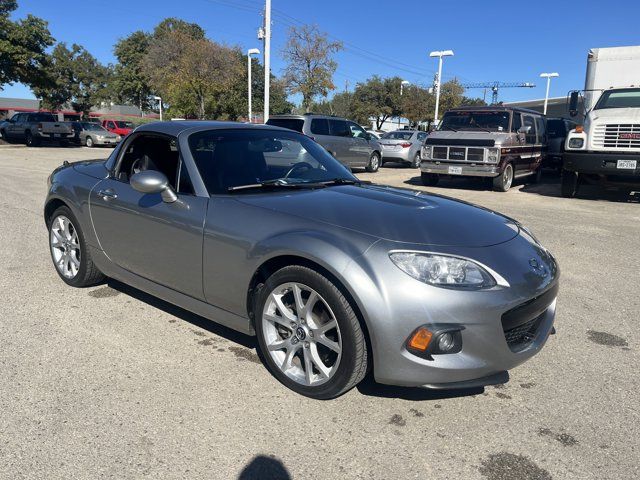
345,140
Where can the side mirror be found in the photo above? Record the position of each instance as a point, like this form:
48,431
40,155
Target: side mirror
573,103
524,129
152,181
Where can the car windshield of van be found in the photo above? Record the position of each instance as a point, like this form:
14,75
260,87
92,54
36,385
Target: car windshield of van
487,121
260,159
399,135
625,98
290,123
121,124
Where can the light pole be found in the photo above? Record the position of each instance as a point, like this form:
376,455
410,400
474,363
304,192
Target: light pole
159,99
267,57
402,84
548,76
439,54
251,51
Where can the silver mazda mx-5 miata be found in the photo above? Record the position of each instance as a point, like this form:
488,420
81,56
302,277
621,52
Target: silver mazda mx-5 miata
260,229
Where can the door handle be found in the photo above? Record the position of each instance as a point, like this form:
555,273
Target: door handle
107,194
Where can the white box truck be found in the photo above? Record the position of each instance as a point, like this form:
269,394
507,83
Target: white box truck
606,148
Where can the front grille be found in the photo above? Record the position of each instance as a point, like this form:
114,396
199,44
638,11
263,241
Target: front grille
520,337
459,154
617,135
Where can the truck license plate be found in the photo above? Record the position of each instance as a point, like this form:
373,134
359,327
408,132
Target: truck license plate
627,164
455,170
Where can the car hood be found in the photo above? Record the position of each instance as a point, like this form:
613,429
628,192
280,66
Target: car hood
395,214
617,115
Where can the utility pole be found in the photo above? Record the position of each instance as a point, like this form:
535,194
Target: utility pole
439,54
267,57
548,76
251,51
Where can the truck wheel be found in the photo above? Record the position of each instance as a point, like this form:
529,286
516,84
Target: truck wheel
429,179
570,183
502,183
374,162
416,161
28,139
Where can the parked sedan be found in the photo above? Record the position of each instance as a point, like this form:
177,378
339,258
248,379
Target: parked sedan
403,146
262,230
94,135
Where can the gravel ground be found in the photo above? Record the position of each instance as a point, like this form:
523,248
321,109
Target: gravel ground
109,382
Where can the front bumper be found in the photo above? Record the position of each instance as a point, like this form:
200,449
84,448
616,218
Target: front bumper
105,141
397,304
600,163
442,168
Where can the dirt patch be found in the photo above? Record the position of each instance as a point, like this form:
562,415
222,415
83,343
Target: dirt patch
198,333
527,385
397,420
206,342
504,396
608,339
564,438
103,292
508,466
416,413
245,354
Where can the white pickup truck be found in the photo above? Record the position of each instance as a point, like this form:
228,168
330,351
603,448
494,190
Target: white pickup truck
33,128
606,148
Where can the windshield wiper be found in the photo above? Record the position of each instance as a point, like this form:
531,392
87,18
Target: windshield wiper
277,183
342,181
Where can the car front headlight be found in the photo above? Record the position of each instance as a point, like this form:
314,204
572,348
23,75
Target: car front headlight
576,142
443,270
493,155
427,152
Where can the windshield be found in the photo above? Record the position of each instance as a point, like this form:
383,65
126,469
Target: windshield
233,158
398,135
92,126
121,124
491,121
623,98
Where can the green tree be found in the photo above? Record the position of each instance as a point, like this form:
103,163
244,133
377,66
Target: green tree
74,77
310,66
129,84
171,25
377,98
417,104
23,45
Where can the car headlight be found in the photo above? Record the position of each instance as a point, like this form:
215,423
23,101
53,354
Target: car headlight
493,155
443,270
576,142
427,152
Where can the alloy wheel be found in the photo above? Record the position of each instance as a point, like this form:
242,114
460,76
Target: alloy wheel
507,177
301,334
65,246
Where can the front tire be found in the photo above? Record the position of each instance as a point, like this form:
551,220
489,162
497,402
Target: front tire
29,140
374,162
416,161
429,179
570,183
69,252
309,334
502,183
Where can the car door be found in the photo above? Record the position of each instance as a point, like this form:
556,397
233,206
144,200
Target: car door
159,241
319,130
342,141
359,150
16,128
526,158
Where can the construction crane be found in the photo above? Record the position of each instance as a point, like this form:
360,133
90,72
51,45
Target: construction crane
495,86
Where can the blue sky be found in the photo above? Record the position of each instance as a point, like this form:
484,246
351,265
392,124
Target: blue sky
492,40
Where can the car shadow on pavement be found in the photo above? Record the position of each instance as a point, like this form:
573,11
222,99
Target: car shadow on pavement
262,467
194,319
550,187
371,388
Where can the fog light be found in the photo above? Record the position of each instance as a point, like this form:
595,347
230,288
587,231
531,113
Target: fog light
445,342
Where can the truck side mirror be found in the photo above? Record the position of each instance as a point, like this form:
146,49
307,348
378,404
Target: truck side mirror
573,103
524,129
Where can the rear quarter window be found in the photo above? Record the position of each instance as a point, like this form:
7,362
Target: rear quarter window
320,126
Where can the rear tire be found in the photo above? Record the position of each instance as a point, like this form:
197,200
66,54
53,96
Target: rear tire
502,183
29,140
570,182
69,252
289,346
374,162
88,142
429,179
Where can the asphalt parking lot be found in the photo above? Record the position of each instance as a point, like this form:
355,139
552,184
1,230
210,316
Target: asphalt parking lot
109,382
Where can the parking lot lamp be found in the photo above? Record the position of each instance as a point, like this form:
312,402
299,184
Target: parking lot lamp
251,51
159,99
402,84
548,76
439,54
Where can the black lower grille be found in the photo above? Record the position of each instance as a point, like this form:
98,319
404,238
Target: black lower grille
520,337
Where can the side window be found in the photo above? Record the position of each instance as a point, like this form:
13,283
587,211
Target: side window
184,181
422,136
542,133
356,130
319,126
150,152
338,128
528,120
516,124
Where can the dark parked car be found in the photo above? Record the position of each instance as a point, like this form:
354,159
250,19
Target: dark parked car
261,230
345,140
33,128
557,130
